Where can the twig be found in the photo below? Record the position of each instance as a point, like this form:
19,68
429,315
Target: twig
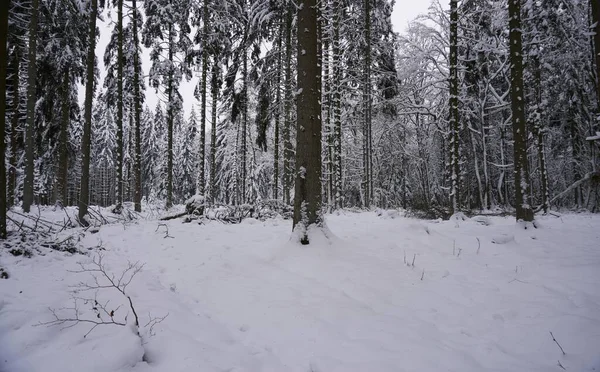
561,366
554,339
478,244
413,261
422,274
166,230
517,280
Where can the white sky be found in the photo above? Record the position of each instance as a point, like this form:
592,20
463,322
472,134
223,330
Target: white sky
404,12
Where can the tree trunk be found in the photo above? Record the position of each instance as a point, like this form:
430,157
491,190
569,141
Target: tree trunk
307,201
87,125
367,132
3,71
202,145
287,126
213,130
170,118
119,118
12,161
337,104
60,189
596,22
244,134
31,99
277,112
454,119
522,186
137,193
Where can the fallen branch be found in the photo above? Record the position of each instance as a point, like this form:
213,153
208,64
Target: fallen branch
554,339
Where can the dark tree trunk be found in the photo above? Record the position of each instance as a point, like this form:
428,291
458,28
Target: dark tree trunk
87,125
596,22
522,186
454,120
12,161
60,189
213,130
170,118
203,78
119,119
137,193
277,112
31,99
307,201
3,69
337,104
287,125
367,133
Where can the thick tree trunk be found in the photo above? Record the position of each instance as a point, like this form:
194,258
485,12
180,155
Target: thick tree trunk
31,99
87,125
522,186
454,119
60,189
12,161
137,193
307,201
119,118
287,126
3,70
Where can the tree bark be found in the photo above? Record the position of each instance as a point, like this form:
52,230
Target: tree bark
307,201
3,70
170,119
287,126
454,119
60,189
522,186
87,125
137,193
337,104
31,99
213,130
367,129
12,161
119,118
202,145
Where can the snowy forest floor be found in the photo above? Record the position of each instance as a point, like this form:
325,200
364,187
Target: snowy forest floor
479,297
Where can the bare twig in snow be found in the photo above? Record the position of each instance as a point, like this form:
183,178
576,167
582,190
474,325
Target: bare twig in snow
561,366
554,339
478,244
166,230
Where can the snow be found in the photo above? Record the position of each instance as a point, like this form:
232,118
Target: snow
246,297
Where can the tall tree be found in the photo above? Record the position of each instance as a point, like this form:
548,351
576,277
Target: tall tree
453,108
3,69
87,125
167,31
307,200
28,189
137,107
521,167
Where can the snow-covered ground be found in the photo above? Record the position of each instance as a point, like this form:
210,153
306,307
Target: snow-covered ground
482,296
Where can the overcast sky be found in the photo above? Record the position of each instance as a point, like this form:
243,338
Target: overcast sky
404,12
407,10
